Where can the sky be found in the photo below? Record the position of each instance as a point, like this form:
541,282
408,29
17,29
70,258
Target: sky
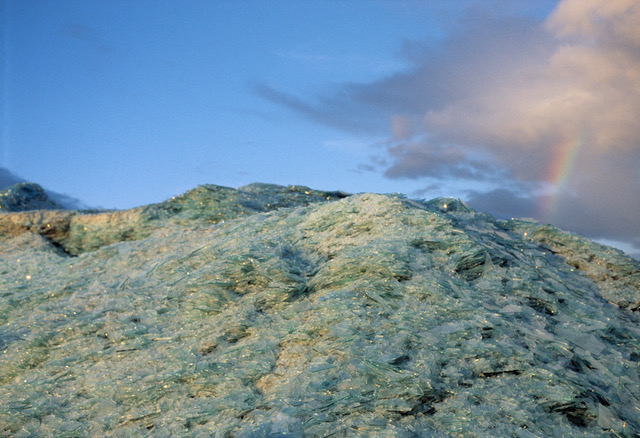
522,108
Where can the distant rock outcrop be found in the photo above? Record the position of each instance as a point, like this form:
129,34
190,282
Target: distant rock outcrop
271,311
13,183
26,196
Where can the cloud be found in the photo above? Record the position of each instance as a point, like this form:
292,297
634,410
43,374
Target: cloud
89,36
545,112
329,111
516,91
8,178
502,203
67,201
80,32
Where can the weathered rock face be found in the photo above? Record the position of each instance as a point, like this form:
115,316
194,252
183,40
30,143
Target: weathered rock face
370,315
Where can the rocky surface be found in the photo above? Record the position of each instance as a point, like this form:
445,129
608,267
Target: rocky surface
284,311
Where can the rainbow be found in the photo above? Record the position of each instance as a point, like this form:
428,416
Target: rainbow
559,173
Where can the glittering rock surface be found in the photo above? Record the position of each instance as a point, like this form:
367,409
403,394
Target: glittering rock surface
284,311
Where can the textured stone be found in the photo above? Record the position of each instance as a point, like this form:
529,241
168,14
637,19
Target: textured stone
284,311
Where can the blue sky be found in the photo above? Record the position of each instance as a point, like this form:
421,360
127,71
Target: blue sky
508,104
126,103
